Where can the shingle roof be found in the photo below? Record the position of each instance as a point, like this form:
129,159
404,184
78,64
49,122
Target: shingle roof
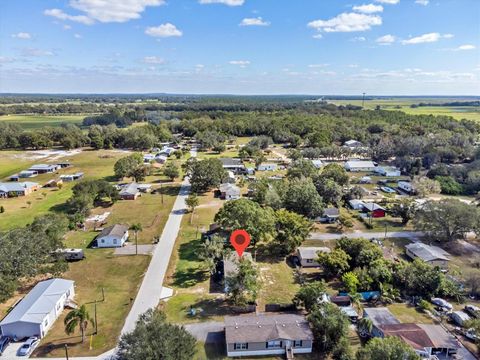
427,252
331,212
411,334
380,316
130,189
231,162
230,262
262,328
310,252
114,230
440,337
39,302
372,206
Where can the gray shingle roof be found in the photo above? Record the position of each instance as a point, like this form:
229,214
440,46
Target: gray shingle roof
39,302
130,189
114,230
231,162
380,316
262,328
428,252
310,252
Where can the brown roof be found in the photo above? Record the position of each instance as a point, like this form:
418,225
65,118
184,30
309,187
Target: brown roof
262,328
411,334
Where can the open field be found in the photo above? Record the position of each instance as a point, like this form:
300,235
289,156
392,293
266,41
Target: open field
399,104
38,121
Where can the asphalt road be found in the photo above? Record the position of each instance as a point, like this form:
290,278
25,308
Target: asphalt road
412,235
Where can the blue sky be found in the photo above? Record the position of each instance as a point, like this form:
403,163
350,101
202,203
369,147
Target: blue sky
382,47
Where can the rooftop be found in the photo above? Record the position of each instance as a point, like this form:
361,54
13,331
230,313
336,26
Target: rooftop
360,163
310,252
332,211
16,186
372,206
380,316
231,162
428,252
130,189
411,334
39,302
230,262
262,328
114,230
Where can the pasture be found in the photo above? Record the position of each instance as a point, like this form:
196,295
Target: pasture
38,121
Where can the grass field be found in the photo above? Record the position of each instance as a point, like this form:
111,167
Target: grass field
38,121
457,112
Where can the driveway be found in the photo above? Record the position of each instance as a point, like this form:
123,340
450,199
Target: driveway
412,235
207,332
143,249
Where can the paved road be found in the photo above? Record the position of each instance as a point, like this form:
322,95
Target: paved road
412,235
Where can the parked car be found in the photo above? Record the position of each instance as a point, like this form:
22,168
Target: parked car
472,310
4,341
28,346
442,303
471,335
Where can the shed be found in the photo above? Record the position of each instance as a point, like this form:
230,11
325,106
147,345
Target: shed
356,204
374,210
267,167
359,165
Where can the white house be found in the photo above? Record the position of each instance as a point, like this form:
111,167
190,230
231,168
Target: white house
406,186
229,191
360,165
267,167
35,314
388,171
307,255
112,236
356,204
353,144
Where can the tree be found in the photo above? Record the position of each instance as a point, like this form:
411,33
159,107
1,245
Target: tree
449,185
78,318
301,168
424,186
345,221
389,348
446,220
243,285
365,326
360,251
404,209
171,170
329,190
335,172
211,251
205,174
329,326
192,202
350,282
302,197
155,338
292,230
136,228
334,263
126,166
2,209
310,294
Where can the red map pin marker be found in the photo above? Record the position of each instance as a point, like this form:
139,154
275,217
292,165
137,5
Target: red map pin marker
240,241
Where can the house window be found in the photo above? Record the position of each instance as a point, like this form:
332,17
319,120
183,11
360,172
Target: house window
45,323
309,261
240,346
102,241
115,241
58,306
297,343
275,344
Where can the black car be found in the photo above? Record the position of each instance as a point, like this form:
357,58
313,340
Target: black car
4,341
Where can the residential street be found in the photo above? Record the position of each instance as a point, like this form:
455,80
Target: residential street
412,235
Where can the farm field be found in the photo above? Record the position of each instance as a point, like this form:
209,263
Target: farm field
457,112
39,121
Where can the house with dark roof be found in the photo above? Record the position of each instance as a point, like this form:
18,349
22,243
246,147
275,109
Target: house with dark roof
380,317
235,165
129,192
35,314
330,215
112,236
267,335
433,255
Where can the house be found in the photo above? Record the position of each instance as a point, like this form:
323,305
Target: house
144,188
350,312
356,204
365,180
442,340
459,317
148,158
161,159
307,255
379,316
353,144
24,174
317,163
229,191
330,215
230,265
14,189
53,183
433,255
235,165
230,177
35,314
166,150
267,335
406,186
387,171
373,210
44,168
112,236
129,192
267,167
359,165
341,300
71,177
63,165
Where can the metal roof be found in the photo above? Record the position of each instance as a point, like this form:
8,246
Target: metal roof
380,316
130,189
231,162
39,302
16,186
360,164
427,252
311,252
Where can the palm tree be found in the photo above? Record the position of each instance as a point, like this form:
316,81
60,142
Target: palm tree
365,326
357,301
136,228
78,317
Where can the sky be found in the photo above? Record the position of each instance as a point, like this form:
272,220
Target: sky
334,47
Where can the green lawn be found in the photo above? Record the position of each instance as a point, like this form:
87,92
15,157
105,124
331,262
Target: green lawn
409,314
39,121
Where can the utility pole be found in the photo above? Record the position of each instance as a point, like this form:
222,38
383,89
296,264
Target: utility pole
96,323
363,100
66,351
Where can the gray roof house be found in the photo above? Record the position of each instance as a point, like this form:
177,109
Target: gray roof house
113,236
229,191
433,255
329,215
261,335
44,168
235,165
130,192
9,189
307,255
230,265
379,316
37,311
360,165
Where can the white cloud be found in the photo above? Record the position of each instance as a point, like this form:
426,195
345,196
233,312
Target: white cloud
358,38
241,63
390,2
33,52
422,2
77,36
59,14
153,60
353,66
368,8
225,2
258,21
426,38
347,22
466,47
318,65
22,35
163,31
317,36
385,40
5,59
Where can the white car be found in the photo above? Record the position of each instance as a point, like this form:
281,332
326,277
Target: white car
470,334
28,346
442,303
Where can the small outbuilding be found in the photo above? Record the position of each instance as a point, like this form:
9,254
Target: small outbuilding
374,210
267,167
